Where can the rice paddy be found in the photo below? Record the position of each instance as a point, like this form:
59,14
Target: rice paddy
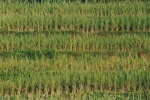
75,50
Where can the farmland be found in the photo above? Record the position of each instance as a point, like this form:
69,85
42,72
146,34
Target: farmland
75,50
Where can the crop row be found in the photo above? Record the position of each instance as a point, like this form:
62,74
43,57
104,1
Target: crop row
86,18
87,62
75,42
72,9
64,75
83,24
81,96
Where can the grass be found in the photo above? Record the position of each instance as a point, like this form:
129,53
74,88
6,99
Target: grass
75,51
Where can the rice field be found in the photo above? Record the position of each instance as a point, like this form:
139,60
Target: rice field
75,50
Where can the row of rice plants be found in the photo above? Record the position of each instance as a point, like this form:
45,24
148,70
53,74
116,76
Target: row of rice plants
82,24
75,42
102,9
89,62
18,77
79,96
58,20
